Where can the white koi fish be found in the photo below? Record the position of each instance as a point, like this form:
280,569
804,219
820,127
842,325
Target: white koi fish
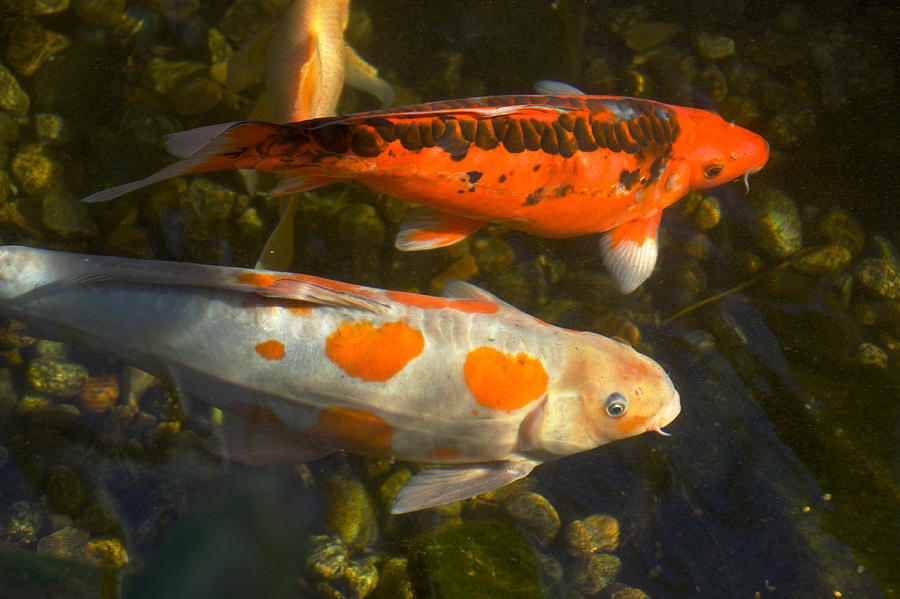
310,366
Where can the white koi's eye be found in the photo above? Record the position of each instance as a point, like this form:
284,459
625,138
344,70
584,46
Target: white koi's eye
616,405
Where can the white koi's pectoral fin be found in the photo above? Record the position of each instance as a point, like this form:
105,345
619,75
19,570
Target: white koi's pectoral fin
436,486
303,291
292,183
427,229
556,88
630,250
360,74
256,444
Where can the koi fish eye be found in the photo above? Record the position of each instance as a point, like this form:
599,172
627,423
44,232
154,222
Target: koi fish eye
711,171
616,405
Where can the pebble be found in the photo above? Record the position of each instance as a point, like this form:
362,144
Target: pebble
778,230
350,513
328,558
34,169
67,543
597,532
50,128
393,581
839,227
879,276
870,354
822,260
33,8
66,215
361,577
13,98
534,514
24,520
30,46
649,34
55,377
99,394
64,489
714,47
106,552
618,590
595,572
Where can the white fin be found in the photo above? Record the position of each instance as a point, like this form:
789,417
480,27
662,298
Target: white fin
185,144
278,285
427,229
456,289
278,251
556,88
255,444
436,486
631,260
361,75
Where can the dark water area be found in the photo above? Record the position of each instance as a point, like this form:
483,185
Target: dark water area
775,311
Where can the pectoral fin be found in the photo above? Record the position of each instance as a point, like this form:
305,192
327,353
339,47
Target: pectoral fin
256,444
630,250
436,486
361,75
278,252
427,229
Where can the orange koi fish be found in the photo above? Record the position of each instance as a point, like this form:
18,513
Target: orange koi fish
305,366
550,165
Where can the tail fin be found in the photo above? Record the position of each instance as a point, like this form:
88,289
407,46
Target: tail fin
202,150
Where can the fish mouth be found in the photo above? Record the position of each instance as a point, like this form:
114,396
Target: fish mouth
666,418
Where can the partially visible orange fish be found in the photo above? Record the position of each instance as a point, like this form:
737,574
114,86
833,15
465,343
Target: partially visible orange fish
550,165
306,65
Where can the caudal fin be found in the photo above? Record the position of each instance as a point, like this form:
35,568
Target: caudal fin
202,150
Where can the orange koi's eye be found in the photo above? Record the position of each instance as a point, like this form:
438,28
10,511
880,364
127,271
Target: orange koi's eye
711,171
616,405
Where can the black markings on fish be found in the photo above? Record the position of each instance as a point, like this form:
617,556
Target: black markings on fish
473,176
365,144
451,141
558,191
628,179
333,138
530,136
501,179
583,136
513,141
484,136
385,129
565,140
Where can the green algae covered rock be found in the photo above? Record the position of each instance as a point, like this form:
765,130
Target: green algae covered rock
474,560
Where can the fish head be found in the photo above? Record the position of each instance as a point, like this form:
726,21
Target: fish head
721,151
623,392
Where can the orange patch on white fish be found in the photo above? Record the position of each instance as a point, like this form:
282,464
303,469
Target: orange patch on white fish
430,302
255,414
271,349
443,454
630,424
372,353
356,430
503,381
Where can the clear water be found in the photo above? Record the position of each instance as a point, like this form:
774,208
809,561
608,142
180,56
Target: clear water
781,474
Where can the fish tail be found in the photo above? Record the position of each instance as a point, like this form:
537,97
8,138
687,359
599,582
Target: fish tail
202,150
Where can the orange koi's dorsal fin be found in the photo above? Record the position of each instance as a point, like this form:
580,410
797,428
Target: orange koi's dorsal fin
629,251
556,88
202,150
426,229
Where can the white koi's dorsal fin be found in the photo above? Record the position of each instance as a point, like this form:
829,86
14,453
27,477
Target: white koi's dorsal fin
427,229
257,444
630,250
360,74
437,486
276,285
556,88
247,65
456,289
